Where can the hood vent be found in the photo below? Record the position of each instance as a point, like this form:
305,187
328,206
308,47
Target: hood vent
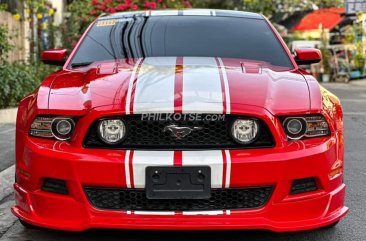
251,68
107,69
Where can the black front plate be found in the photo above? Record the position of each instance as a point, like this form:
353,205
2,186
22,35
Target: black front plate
178,182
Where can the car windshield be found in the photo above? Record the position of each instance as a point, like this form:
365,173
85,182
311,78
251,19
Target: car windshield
188,36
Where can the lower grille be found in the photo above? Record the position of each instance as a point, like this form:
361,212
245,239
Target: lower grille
135,200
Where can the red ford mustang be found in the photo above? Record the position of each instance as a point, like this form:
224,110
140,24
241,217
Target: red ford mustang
191,119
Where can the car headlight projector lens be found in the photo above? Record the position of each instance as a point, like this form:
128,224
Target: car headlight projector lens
62,128
245,131
294,126
112,131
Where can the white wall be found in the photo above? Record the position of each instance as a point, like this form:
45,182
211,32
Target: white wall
60,6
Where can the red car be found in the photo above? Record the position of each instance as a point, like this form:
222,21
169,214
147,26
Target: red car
183,120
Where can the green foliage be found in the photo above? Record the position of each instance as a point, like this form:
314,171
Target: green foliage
5,46
359,58
349,36
353,36
76,23
39,71
15,83
17,79
217,4
3,7
267,7
326,54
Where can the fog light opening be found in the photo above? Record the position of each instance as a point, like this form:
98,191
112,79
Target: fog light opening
303,185
55,186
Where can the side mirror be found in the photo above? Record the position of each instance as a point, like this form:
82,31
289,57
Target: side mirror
305,56
54,56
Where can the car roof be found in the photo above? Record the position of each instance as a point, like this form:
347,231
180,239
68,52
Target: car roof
185,12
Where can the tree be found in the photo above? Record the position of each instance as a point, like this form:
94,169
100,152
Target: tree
268,7
217,4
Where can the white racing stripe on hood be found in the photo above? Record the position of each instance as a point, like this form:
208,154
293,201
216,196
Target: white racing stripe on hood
130,85
202,90
155,86
226,86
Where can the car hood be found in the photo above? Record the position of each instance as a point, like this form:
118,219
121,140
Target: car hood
189,85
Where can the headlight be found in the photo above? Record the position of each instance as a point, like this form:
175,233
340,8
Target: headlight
307,126
112,131
295,127
60,128
41,127
245,131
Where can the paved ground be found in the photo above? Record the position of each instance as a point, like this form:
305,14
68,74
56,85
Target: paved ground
352,227
7,138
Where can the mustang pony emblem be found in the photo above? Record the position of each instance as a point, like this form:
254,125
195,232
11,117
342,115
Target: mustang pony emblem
180,132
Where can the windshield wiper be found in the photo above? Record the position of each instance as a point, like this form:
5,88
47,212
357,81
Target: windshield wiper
81,64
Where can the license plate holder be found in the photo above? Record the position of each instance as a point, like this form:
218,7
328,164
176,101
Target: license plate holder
189,182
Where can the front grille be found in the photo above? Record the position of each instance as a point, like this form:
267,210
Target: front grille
150,134
135,200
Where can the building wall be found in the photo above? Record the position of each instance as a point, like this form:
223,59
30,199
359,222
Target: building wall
60,6
16,33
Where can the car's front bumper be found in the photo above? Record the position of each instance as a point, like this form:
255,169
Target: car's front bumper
316,158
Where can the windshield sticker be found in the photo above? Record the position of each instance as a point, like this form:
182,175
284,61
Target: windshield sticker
106,23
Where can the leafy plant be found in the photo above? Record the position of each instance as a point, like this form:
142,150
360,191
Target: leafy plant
268,7
3,7
15,83
353,36
326,54
17,79
5,45
359,58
